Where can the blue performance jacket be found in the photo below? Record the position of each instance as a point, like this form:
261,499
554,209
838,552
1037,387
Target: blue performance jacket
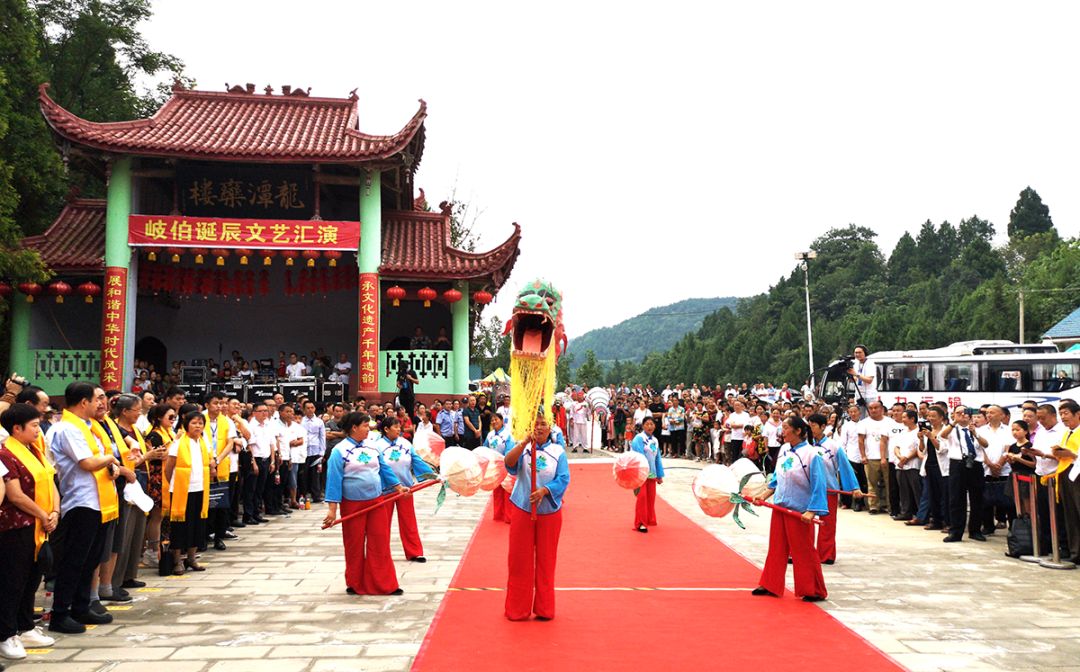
357,472
650,448
800,481
553,473
402,458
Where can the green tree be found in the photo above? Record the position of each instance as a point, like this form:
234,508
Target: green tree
1029,216
486,339
590,373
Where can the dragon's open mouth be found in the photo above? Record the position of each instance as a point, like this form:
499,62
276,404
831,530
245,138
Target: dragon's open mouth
532,334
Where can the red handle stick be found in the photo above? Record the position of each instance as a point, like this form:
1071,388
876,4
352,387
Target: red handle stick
840,492
783,509
386,500
532,479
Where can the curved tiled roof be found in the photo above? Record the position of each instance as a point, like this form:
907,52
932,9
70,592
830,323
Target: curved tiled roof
241,126
417,245
75,242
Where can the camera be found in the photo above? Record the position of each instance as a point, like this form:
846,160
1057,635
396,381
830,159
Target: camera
845,362
18,380
924,425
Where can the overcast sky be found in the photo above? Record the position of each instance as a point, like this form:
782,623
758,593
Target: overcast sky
657,151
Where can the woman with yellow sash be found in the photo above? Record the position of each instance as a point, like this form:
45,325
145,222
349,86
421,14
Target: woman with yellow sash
28,513
135,454
161,418
187,469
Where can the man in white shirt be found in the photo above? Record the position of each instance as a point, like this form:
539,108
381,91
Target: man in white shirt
770,431
849,441
936,469
873,446
263,445
965,476
737,423
296,368
1049,433
997,492
896,427
342,370
904,447
864,373
294,445
579,421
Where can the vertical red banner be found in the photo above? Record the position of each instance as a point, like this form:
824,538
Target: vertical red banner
368,366
113,328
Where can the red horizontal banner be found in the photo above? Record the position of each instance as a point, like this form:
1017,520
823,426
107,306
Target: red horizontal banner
281,234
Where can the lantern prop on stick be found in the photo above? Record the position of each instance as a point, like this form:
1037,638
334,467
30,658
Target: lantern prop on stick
429,446
719,492
630,470
495,472
461,470
509,482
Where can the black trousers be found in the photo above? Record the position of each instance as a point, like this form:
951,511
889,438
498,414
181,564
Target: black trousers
312,477
234,496
860,475
910,492
408,401
894,491
939,493
82,538
255,487
965,492
1003,510
19,581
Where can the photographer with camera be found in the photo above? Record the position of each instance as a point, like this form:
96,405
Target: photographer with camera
965,476
864,374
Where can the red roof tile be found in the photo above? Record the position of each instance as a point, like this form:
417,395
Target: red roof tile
75,242
417,245
241,126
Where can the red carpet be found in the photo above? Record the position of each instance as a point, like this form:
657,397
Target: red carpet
608,625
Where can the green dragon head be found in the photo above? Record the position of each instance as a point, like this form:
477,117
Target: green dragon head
536,321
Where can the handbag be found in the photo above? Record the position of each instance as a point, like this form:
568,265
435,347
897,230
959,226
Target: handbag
45,558
994,495
1019,538
219,495
166,561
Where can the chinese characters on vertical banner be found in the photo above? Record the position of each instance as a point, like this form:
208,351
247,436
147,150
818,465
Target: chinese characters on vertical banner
369,332
113,321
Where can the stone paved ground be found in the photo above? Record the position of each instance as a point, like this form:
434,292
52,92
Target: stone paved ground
275,600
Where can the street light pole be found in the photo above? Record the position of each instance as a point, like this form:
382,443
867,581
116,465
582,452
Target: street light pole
805,258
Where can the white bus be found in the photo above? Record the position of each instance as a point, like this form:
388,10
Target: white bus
969,373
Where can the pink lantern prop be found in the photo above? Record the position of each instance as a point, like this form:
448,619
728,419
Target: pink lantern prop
757,485
509,482
429,446
461,470
630,470
712,489
495,473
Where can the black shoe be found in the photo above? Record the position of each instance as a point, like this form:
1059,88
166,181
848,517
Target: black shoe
90,618
642,529
133,583
790,561
761,591
66,625
350,591
399,591
812,598
220,545
262,521
98,608
953,537
250,521
236,524
874,512
118,596
421,559
230,535
829,562
977,537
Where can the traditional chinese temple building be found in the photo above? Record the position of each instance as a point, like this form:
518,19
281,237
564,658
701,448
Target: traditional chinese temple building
250,221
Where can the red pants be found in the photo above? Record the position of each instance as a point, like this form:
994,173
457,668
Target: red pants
534,545
826,536
645,511
790,537
499,503
369,569
406,523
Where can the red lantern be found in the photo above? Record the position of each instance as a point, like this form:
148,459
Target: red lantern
5,290
220,253
264,283
290,256
311,256
482,297
200,254
396,294
174,253
244,254
151,253
428,295
88,290
267,256
451,296
60,289
30,289
333,256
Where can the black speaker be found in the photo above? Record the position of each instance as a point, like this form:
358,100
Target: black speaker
194,393
194,375
256,393
332,393
294,388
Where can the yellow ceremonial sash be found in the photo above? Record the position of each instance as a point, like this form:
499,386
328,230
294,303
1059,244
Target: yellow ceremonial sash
221,436
182,479
167,437
107,500
1072,442
43,473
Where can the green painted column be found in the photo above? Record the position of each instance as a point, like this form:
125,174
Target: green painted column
118,300
369,258
459,313
19,360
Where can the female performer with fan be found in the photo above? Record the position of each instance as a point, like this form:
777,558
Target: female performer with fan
357,476
499,440
840,476
799,483
646,444
408,467
535,522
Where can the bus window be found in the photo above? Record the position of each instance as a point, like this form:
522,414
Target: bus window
1009,377
1054,376
953,377
904,377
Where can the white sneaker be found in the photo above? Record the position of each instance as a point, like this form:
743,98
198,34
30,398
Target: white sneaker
12,649
36,639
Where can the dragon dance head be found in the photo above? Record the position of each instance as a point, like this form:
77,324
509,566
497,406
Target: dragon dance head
537,339
536,322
